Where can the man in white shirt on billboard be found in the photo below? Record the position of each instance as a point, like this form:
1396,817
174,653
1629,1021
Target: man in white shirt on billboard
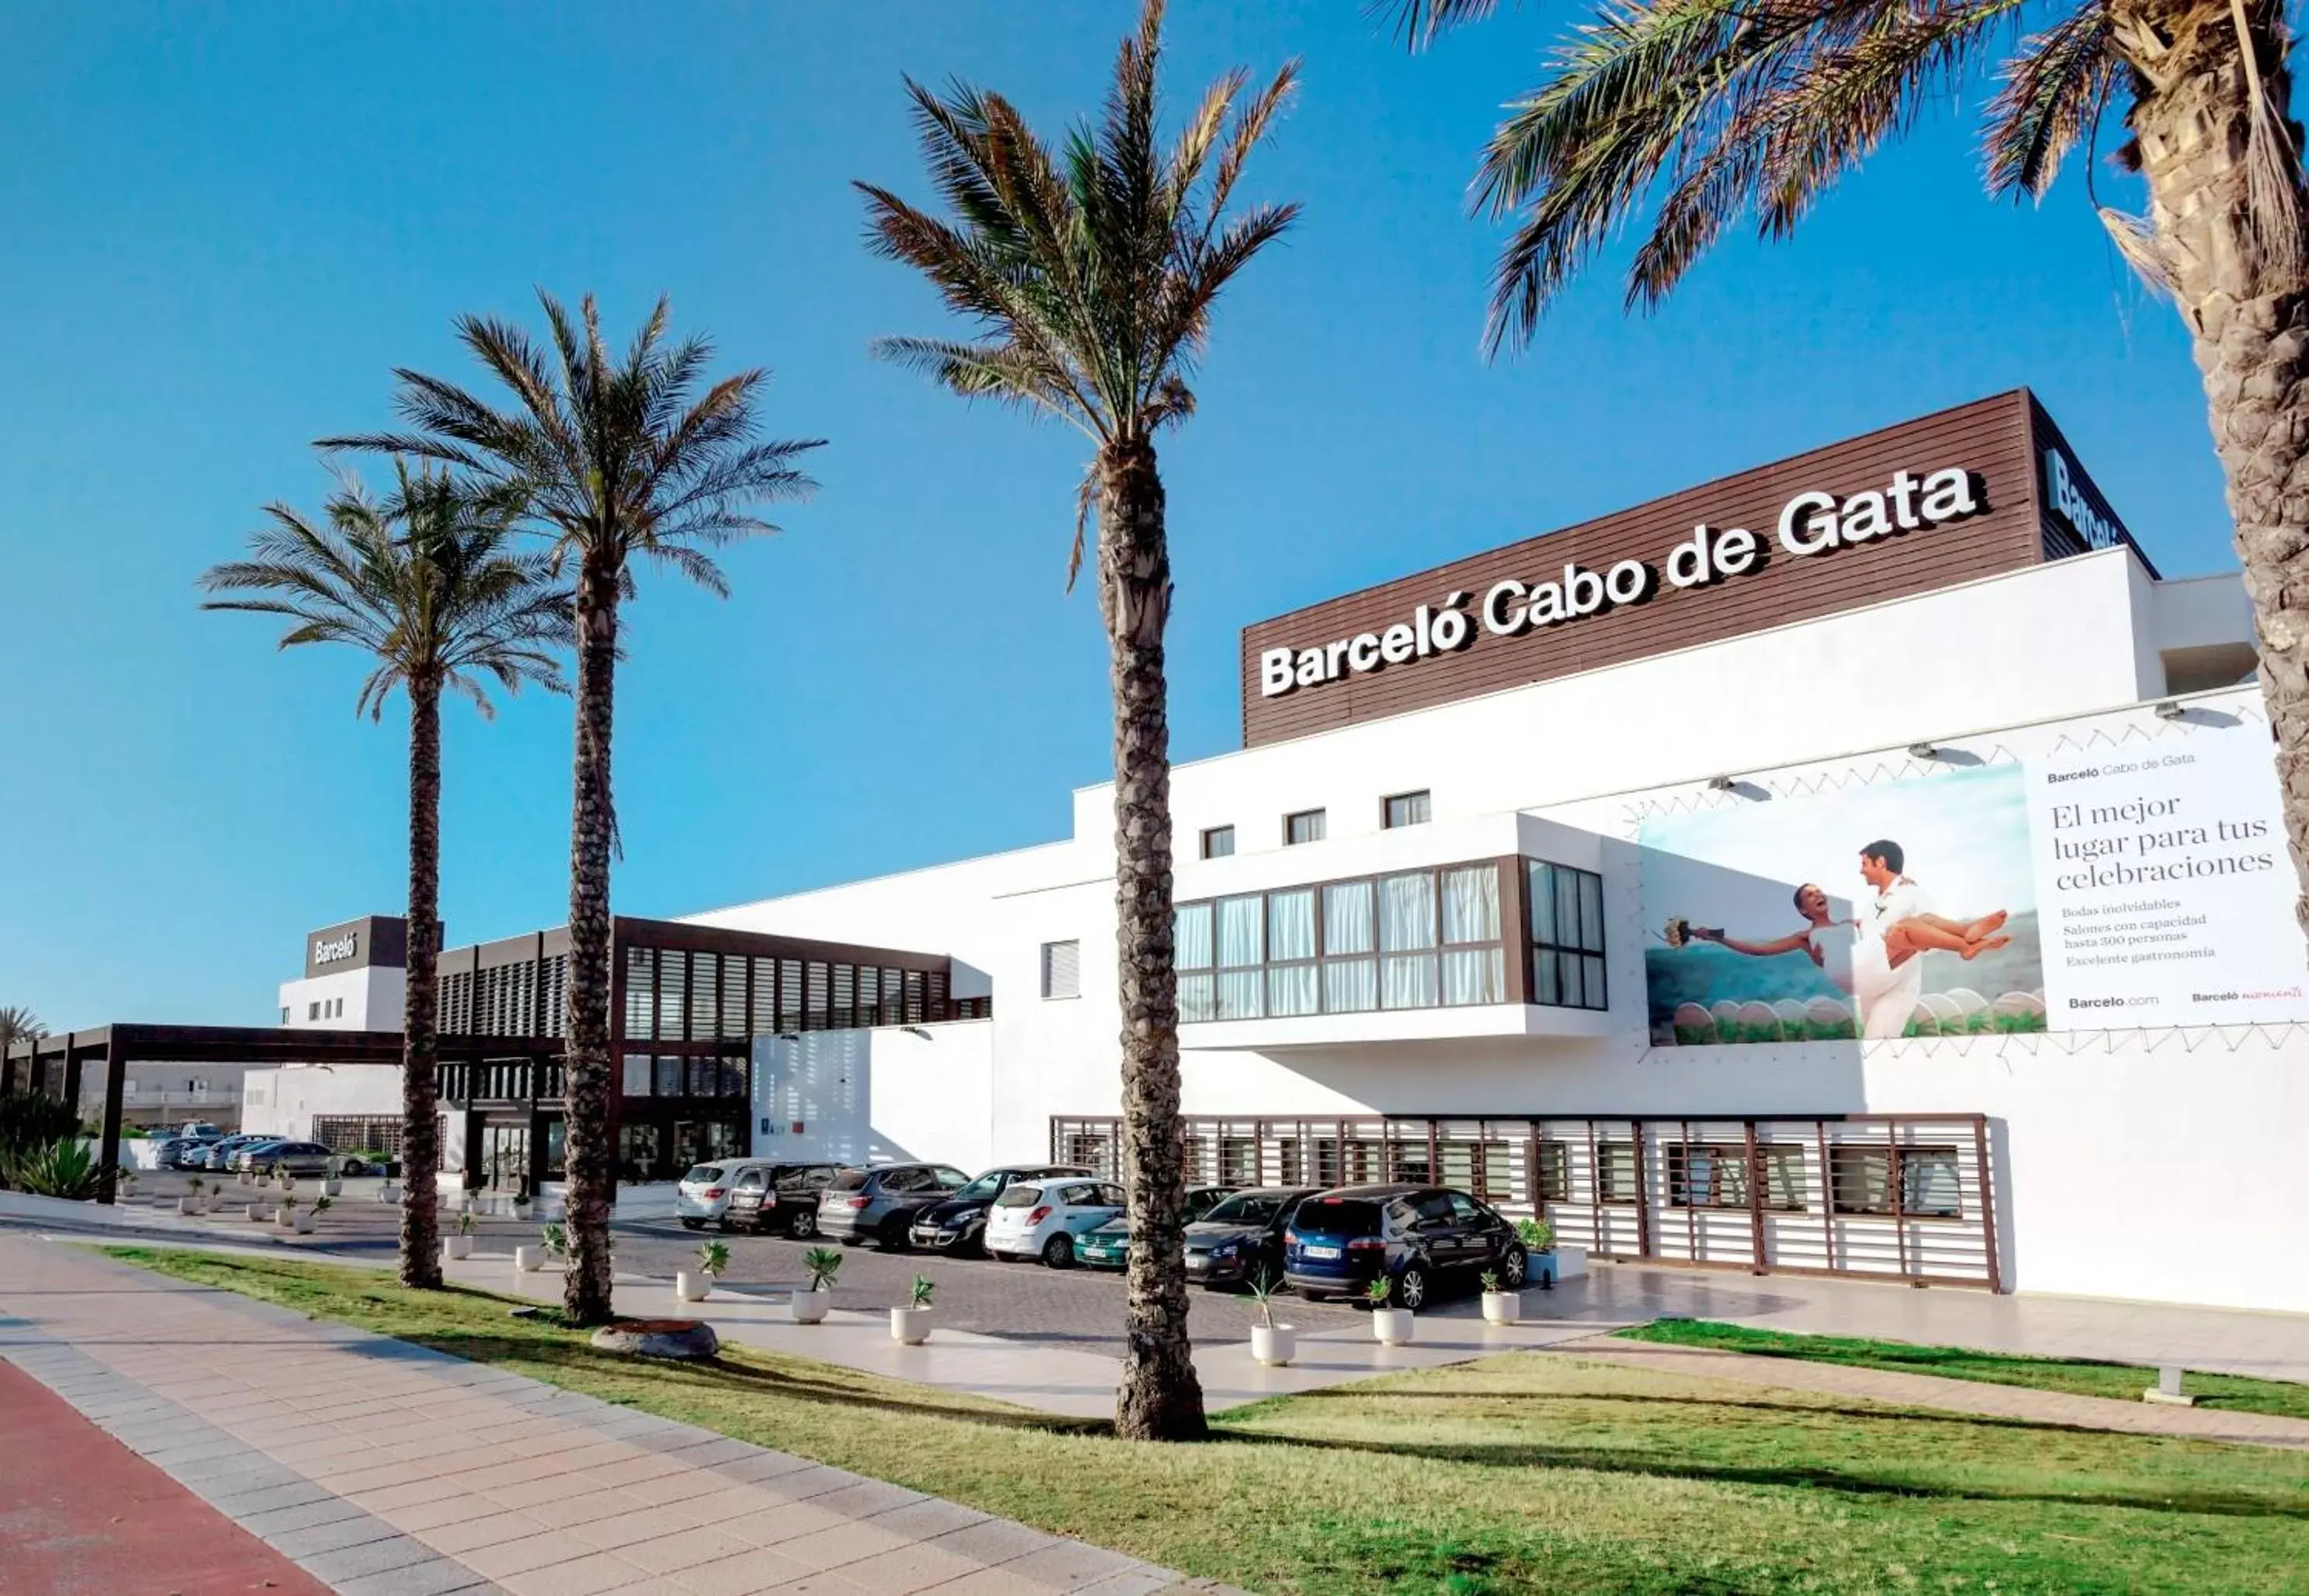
1888,981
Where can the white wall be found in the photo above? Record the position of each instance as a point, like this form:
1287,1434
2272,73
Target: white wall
890,1095
373,995
282,1102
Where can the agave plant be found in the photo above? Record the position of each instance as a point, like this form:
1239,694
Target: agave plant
1378,1292
823,1264
1261,1286
65,1167
713,1258
919,1293
556,1239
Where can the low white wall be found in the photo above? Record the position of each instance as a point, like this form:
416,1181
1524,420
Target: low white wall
895,1093
282,1103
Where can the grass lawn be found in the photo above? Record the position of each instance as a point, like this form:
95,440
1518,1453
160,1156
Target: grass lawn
1521,1473
2077,1375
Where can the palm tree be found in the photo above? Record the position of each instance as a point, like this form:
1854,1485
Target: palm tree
614,457
1703,111
430,584
19,1024
1089,276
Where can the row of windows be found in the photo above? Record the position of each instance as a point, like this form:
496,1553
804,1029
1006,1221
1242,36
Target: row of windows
662,1076
320,1008
1312,825
674,995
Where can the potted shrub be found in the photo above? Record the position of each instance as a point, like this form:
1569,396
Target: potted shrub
712,1258
1272,1344
190,1202
808,1306
1391,1326
306,1218
911,1325
332,1184
1500,1308
557,1243
461,1243
1540,1262
288,1211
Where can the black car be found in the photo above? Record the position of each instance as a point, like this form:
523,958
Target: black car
780,1197
879,1203
1241,1238
1415,1237
959,1224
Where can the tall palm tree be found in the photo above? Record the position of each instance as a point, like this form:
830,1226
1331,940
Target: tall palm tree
1089,276
616,458
19,1024
1702,111
429,583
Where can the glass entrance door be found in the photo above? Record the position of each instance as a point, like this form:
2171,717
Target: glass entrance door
504,1157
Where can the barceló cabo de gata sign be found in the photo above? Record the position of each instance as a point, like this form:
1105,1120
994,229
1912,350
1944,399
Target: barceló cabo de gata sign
1812,522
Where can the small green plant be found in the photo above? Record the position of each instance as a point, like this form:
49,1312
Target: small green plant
712,1258
1262,1285
1491,1280
193,1187
65,1167
824,1264
465,1222
557,1240
321,1205
288,1203
917,1294
1379,1290
1538,1235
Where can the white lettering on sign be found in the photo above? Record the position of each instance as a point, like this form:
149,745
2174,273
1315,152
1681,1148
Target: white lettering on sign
337,950
2066,495
1812,522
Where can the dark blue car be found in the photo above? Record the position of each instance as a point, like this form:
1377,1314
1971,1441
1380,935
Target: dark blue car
1415,1237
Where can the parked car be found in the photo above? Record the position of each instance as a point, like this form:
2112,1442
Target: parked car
181,1152
1109,1245
298,1158
1241,1238
1044,1218
1413,1236
220,1154
778,1197
959,1224
199,1130
702,1196
367,1162
879,1204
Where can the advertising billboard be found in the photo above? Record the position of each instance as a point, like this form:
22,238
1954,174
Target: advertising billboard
2080,892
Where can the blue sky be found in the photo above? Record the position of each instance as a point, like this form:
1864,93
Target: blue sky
226,223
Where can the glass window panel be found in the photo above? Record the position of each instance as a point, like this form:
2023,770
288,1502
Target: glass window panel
1218,842
1784,1177
1408,808
1474,975
1291,925
1350,985
1347,918
1407,982
1406,911
1238,940
1542,877
1592,982
669,1077
1192,936
1928,1182
1197,999
1242,994
1591,912
846,996
1306,826
1471,903
672,989
1567,910
1290,989
1546,978
1860,1179
1572,986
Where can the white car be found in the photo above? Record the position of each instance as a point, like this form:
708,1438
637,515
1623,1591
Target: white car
703,1196
1040,1218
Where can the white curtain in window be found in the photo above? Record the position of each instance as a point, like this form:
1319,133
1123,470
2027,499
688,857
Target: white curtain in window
1471,904
1242,994
1192,936
1239,942
1407,982
1591,912
1350,985
1473,975
1347,918
1541,876
1291,990
1407,912
1197,999
1291,925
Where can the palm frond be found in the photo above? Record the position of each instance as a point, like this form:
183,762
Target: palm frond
1417,23
2053,94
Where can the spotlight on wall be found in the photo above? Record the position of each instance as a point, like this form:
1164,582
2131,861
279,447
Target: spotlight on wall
1719,783
1923,751
2170,710
917,1031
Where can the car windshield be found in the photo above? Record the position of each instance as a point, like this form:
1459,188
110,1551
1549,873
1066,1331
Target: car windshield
1244,1208
704,1174
850,1180
1019,1196
980,1190
1337,1216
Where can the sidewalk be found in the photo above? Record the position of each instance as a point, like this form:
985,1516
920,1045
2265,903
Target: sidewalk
384,1468
1957,1396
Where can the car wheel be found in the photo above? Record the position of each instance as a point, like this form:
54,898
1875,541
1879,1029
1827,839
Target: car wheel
893,1236
1513,1265
803,1226
1411,1287
693,1224
1059,1252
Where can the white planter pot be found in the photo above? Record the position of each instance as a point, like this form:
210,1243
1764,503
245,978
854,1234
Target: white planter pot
246,1177
1274,1345
456,1247
691,1286
333,1187
303,1223
1392,1325
258,1213
290,1216
189,1205
1502,1307
386,1192
528,1260
910,1325
810,1307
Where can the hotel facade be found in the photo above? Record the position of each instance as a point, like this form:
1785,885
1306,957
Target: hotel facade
1865,864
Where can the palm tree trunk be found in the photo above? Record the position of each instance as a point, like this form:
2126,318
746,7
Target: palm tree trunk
2248,318
420,1135
1161,1399
591,1161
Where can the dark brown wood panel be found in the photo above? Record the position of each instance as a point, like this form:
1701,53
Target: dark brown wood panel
1994,438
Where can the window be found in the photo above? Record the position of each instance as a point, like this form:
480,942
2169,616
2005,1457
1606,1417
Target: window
313,1010
1306,826
1554,1173
1865,1180
1929,1183
1567,936
284,1014
1062,969
1409,808
1700,1177
1218,842
1615,1172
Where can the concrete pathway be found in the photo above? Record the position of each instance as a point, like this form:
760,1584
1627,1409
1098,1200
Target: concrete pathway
384,1469
1953,1396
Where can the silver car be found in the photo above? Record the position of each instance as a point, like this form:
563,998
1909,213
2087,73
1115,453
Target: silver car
701,1197
298,1158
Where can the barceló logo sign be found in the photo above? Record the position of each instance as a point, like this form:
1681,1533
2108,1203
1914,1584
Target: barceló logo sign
1811,524
336,949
